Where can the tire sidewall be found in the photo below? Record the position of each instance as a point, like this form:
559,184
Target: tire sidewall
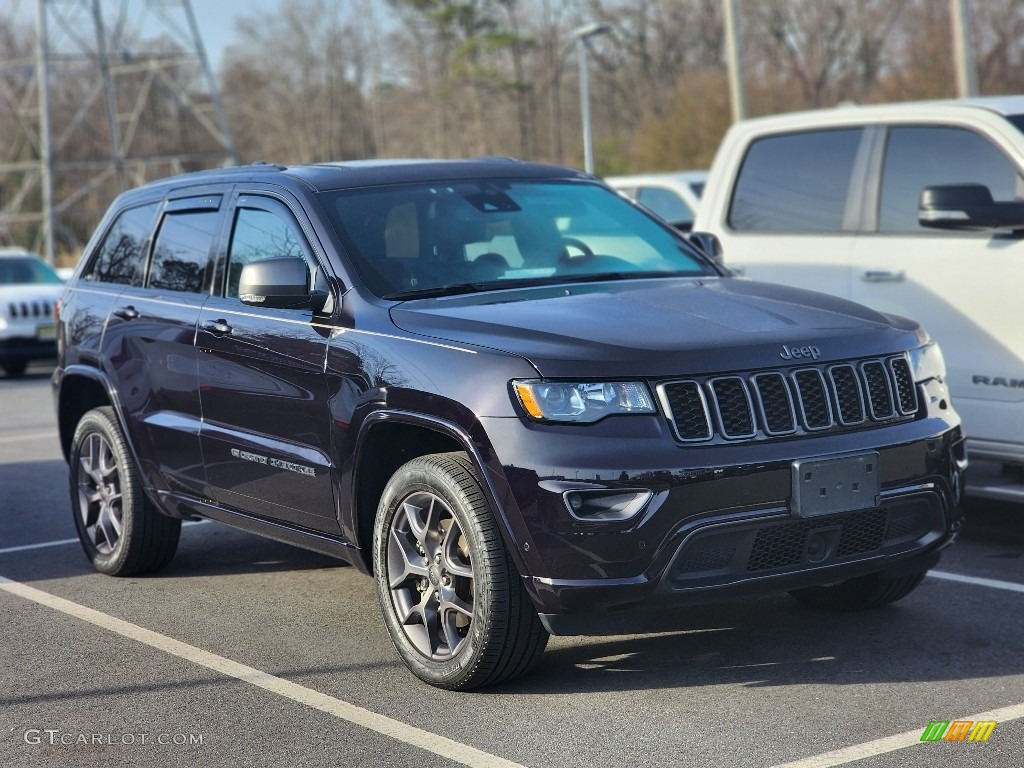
409,479
101,421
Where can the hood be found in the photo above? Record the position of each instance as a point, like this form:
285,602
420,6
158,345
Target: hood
660,327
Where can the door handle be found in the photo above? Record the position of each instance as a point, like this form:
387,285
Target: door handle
883,276
127,313
217,327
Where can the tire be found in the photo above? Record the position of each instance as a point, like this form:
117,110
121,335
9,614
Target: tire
861,593
120,530
14,369
452,599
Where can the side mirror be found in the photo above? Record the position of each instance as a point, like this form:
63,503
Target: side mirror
708,244
967,206
281,283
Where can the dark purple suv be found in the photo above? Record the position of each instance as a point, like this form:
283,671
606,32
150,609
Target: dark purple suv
519,400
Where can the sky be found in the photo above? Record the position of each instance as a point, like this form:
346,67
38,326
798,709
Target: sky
216,21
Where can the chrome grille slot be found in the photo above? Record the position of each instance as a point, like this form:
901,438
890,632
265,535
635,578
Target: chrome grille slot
733,407
684,402
775,403
879,392
848,394
906,390
815,411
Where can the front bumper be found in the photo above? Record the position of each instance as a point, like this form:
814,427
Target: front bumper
720,523
27,348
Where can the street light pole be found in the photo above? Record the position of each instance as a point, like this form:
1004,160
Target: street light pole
581,35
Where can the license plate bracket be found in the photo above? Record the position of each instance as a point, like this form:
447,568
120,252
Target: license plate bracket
839,484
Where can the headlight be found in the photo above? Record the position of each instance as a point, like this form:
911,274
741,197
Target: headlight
585,402
927,363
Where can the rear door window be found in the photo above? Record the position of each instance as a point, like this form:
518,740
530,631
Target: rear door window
183,249
920,156
796,182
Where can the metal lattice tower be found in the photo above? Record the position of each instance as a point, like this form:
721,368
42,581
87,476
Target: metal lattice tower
113,94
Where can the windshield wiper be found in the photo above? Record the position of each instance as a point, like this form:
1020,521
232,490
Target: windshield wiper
453,289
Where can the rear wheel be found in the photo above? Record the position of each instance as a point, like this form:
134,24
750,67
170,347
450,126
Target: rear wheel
121,532
452,599
861,593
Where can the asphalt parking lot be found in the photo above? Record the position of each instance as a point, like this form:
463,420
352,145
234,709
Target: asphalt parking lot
246,652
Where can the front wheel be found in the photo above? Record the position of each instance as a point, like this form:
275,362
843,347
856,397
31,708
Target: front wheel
452,599
14,368
121,532
861,593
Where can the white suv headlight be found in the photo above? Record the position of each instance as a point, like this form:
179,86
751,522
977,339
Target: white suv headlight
586,402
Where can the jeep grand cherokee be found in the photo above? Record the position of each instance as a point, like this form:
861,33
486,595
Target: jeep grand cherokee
521,402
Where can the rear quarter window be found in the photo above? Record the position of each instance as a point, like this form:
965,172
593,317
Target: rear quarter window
795,182
121,258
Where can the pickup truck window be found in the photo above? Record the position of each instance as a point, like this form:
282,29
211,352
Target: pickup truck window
920,156
795,182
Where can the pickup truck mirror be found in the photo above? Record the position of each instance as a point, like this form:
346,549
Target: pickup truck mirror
708,244
967,206
281,282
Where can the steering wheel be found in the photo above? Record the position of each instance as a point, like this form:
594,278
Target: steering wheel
571,242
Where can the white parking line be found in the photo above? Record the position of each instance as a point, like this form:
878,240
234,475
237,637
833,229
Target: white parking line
42,545
899,741
343,710
29,436
1009,586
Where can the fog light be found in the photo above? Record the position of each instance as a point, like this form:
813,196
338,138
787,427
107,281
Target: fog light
606,505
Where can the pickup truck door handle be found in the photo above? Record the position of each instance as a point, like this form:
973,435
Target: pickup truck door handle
217,327
127,313
883,276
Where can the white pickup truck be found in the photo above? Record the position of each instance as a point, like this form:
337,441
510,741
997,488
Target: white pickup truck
915,209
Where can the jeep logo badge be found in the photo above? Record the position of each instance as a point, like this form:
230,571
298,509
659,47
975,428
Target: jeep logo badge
794,353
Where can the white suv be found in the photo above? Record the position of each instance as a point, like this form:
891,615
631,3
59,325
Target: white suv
674,195
29,289
833,200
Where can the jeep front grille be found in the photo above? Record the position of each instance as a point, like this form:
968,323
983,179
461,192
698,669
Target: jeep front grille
19,310
806,400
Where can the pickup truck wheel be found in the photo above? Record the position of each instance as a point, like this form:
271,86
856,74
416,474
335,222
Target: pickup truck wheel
121,532
452,600
861,593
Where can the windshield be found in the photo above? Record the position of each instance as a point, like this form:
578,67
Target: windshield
429,239
27,270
